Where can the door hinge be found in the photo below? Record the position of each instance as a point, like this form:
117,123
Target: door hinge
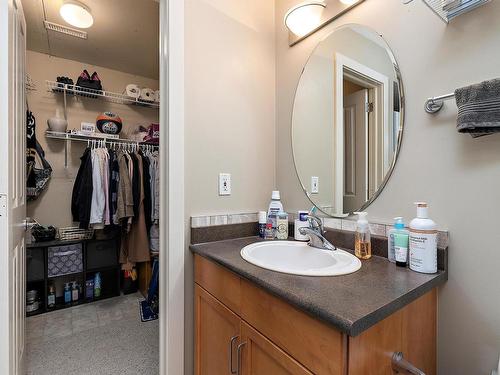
3,205
368,107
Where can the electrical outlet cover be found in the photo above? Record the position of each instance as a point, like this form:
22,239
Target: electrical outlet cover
224,184
314,185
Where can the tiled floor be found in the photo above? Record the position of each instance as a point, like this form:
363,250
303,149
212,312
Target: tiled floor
105,337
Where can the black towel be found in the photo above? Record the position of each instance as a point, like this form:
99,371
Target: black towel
479,108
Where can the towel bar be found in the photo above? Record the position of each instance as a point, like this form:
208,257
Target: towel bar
434,105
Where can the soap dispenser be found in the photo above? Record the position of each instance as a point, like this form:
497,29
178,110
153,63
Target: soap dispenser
423,241
362,241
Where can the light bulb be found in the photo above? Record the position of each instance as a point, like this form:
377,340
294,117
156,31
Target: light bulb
304,18
76,14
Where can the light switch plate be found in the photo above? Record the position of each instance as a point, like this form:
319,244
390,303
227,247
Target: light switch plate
224,184
314,185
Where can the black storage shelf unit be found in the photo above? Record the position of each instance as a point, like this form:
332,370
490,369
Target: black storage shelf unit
98,256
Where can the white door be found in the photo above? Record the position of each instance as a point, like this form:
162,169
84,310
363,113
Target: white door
355,150
12,186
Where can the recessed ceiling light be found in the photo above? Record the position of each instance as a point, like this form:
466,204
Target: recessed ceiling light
305,17
76,14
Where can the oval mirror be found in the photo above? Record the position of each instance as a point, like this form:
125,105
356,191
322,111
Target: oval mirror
347,120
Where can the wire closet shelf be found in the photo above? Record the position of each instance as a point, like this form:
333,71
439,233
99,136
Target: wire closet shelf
449,9
58,87
100,139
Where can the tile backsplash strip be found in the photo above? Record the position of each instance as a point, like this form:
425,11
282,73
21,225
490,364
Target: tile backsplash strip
376,228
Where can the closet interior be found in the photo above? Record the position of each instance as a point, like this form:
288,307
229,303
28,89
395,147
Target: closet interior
93,182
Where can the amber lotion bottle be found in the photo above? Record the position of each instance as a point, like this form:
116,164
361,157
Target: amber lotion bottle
362,240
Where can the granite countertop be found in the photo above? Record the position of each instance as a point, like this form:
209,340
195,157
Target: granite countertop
351,303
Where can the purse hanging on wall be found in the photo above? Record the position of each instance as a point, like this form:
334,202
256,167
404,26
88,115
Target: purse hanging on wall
38,169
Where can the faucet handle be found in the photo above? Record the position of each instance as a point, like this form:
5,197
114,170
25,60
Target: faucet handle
315,222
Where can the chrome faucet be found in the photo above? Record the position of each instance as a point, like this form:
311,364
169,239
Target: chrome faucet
315,232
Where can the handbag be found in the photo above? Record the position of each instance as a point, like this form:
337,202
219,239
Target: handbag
38,169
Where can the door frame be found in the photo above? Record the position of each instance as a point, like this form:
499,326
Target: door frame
172,246
171,186
343,65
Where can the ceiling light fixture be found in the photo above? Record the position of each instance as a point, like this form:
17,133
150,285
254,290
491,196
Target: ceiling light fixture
76,14
304,17
349,2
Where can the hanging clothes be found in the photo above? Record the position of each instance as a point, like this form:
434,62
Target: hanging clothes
81,197
114,181
98,194
125,201
135,245
120,187
146,180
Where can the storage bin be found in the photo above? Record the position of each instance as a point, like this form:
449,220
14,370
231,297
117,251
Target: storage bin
102,254
35,264
64,260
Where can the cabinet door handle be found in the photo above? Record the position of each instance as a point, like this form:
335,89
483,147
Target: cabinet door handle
231,342
238,358
402,366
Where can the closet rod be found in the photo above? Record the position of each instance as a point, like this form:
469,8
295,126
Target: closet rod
104,141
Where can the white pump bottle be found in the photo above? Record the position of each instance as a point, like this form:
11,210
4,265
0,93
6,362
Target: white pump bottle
423,241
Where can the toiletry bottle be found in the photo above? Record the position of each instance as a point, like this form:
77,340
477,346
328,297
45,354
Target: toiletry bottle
51,297
269,233
275,206
97,285
74,292
262,223
301,222
67,293
282,225
423,241
400,242
362,241
398,226
302,215
89,290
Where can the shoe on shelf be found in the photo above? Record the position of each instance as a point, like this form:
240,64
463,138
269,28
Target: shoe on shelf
89,83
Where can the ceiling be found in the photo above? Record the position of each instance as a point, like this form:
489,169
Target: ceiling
124,37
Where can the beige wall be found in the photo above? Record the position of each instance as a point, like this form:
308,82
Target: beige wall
54,205
457,175
229,113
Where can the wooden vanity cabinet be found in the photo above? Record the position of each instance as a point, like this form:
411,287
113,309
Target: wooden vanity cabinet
217,327
240,329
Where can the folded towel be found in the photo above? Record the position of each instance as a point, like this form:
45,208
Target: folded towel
132,90
479,108
147,95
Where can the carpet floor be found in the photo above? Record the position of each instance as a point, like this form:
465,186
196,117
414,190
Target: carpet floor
102,338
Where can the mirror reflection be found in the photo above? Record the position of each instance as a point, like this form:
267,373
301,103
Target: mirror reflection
347,120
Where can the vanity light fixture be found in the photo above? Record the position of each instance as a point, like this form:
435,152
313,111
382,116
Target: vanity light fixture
76,14
304,17
310,16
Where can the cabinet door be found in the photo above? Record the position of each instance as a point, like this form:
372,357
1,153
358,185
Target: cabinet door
216,335
411,330
259,356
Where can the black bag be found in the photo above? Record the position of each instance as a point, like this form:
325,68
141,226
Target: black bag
38,169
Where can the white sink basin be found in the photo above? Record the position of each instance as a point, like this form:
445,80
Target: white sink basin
298,258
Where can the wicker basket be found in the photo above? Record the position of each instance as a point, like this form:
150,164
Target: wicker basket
75,233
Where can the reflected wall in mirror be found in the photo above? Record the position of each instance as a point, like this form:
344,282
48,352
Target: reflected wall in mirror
347,120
